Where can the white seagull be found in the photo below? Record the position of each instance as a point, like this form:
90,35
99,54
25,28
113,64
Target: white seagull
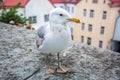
56,36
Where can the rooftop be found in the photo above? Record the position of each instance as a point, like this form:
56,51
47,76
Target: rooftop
114,3
64,1
11,3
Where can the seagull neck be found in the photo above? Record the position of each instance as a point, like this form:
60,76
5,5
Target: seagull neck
57,27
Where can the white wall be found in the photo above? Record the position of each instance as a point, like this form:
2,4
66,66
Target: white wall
59,5
21,11
65,6
71,6
38,8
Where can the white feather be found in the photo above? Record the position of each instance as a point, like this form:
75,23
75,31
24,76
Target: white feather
57,34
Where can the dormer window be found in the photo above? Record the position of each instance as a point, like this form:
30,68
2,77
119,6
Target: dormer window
94,1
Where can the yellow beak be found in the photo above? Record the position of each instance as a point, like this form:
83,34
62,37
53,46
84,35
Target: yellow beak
74,20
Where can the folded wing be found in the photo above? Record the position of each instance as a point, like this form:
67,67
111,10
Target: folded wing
40,35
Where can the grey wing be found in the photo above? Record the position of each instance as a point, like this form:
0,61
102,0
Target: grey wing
40,35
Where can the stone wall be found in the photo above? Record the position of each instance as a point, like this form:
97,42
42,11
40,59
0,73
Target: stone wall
19,57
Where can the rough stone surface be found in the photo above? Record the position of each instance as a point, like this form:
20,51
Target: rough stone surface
19,57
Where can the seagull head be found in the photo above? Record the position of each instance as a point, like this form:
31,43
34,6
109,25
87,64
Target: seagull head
61,17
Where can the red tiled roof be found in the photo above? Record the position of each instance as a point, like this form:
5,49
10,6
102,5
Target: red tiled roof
119,11
64,1
11,3
56,1
114,3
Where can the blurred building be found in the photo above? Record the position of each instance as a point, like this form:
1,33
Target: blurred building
116,35
68,5
36,10
100,23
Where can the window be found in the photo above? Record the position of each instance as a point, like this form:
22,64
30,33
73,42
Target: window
32,19
100,44
84,12
102,29
89,27
46,17
104,1
94,1
89,41
91,13
104,15
72,9
82,39
82,26
68,8
61,6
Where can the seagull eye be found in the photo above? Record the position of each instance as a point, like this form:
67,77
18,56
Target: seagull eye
61,14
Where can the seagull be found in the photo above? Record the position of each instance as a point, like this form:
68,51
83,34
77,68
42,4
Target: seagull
55,36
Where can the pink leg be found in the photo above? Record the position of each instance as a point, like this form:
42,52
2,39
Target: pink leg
49,70
61,69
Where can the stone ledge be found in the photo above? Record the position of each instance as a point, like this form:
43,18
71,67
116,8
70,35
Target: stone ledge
19,57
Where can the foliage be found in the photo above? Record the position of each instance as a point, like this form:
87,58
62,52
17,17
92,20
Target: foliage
12,15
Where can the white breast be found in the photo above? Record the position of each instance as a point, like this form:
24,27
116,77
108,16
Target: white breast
56,42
